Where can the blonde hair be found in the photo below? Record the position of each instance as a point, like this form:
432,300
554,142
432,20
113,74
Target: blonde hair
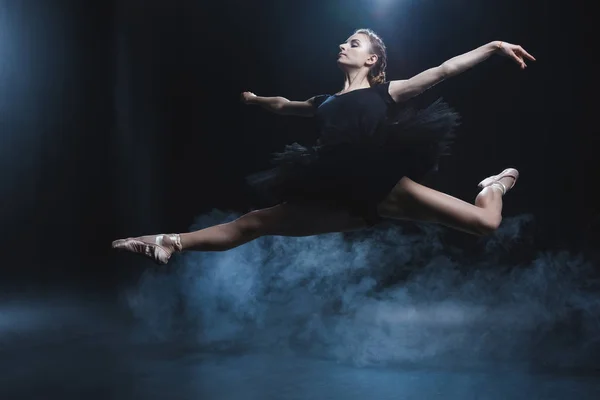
377,71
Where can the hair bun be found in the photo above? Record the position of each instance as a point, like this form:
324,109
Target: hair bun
378,79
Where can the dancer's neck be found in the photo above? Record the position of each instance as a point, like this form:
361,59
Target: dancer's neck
356,79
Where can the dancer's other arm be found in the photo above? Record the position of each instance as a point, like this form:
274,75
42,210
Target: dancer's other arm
402,90
281,105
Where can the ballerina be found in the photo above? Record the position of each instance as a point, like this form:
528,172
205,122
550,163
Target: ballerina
368,164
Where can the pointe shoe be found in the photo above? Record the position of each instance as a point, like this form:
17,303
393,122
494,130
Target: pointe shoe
495,180
159,248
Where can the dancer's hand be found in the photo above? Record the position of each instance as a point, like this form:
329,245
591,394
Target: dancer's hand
247,97
516,53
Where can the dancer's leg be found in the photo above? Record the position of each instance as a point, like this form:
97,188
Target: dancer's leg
412,201
282,220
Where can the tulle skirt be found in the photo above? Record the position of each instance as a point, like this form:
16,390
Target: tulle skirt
357,176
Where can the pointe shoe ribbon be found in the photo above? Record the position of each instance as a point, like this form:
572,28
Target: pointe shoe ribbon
159,248
495,180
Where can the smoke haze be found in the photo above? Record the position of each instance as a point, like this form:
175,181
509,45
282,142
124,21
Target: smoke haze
384,296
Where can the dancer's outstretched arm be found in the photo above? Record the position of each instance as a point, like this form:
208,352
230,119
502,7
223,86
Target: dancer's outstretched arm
402,90
281,105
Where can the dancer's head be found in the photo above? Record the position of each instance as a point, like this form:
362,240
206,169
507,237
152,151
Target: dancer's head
364,50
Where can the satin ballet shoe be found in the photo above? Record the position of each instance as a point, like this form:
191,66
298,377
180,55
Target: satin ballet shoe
494,181
159,248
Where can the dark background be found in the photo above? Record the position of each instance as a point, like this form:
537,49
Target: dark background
123,118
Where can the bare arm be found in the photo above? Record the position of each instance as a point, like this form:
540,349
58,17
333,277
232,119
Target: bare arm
281,105
402,90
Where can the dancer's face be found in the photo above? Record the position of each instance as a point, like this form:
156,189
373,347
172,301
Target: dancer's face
356,52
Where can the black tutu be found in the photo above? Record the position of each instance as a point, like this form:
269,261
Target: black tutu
358,176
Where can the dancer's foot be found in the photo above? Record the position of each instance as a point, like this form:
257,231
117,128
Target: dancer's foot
504,181
159,248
